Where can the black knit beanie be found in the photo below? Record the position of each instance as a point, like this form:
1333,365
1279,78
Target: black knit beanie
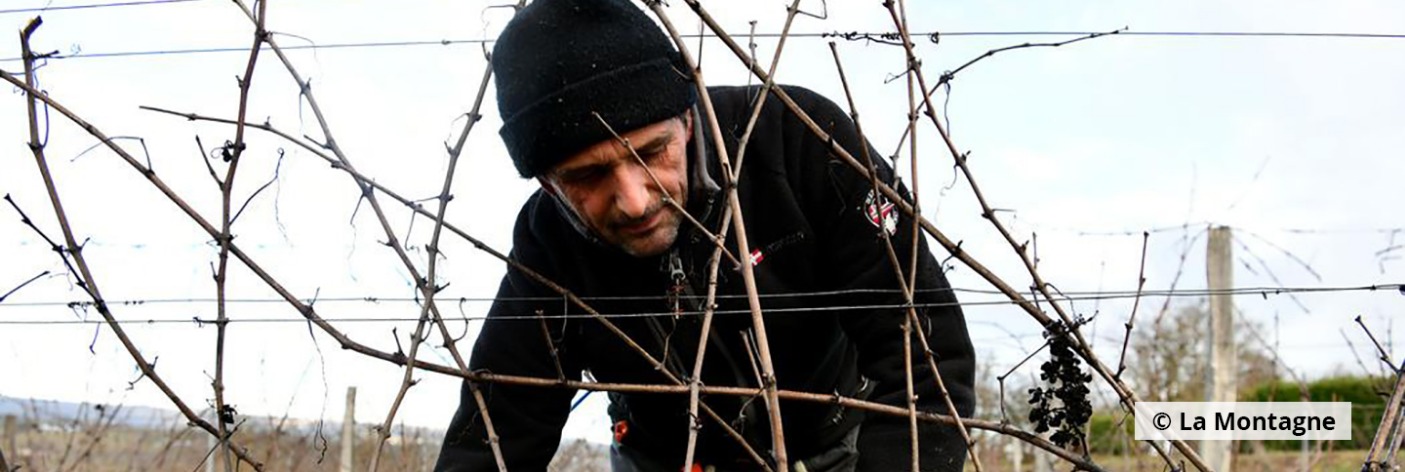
559,60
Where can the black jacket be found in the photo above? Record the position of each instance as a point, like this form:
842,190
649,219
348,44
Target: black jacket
827,287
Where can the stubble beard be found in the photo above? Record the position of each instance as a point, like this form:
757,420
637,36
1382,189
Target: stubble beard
655,242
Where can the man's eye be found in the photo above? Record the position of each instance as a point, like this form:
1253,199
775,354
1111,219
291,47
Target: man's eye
582,177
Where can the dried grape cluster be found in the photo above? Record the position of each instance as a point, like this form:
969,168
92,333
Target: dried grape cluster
1061,406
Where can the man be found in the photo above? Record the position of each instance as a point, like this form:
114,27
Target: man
603,227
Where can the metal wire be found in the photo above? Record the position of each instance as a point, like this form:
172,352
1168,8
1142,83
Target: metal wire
1068,296
852,36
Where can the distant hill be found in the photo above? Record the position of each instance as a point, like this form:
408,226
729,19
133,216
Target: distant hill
61,414
573,456
58,413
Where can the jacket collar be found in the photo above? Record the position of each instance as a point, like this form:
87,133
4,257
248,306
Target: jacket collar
702,187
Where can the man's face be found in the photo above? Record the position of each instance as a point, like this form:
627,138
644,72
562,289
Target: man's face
616,198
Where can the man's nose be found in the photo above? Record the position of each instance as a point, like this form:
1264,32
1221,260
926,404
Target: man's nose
634,193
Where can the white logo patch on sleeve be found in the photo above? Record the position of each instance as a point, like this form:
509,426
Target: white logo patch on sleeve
880,212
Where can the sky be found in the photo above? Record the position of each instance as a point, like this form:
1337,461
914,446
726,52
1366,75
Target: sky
1294,142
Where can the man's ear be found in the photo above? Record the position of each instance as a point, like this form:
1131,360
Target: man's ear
688,125
547,186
